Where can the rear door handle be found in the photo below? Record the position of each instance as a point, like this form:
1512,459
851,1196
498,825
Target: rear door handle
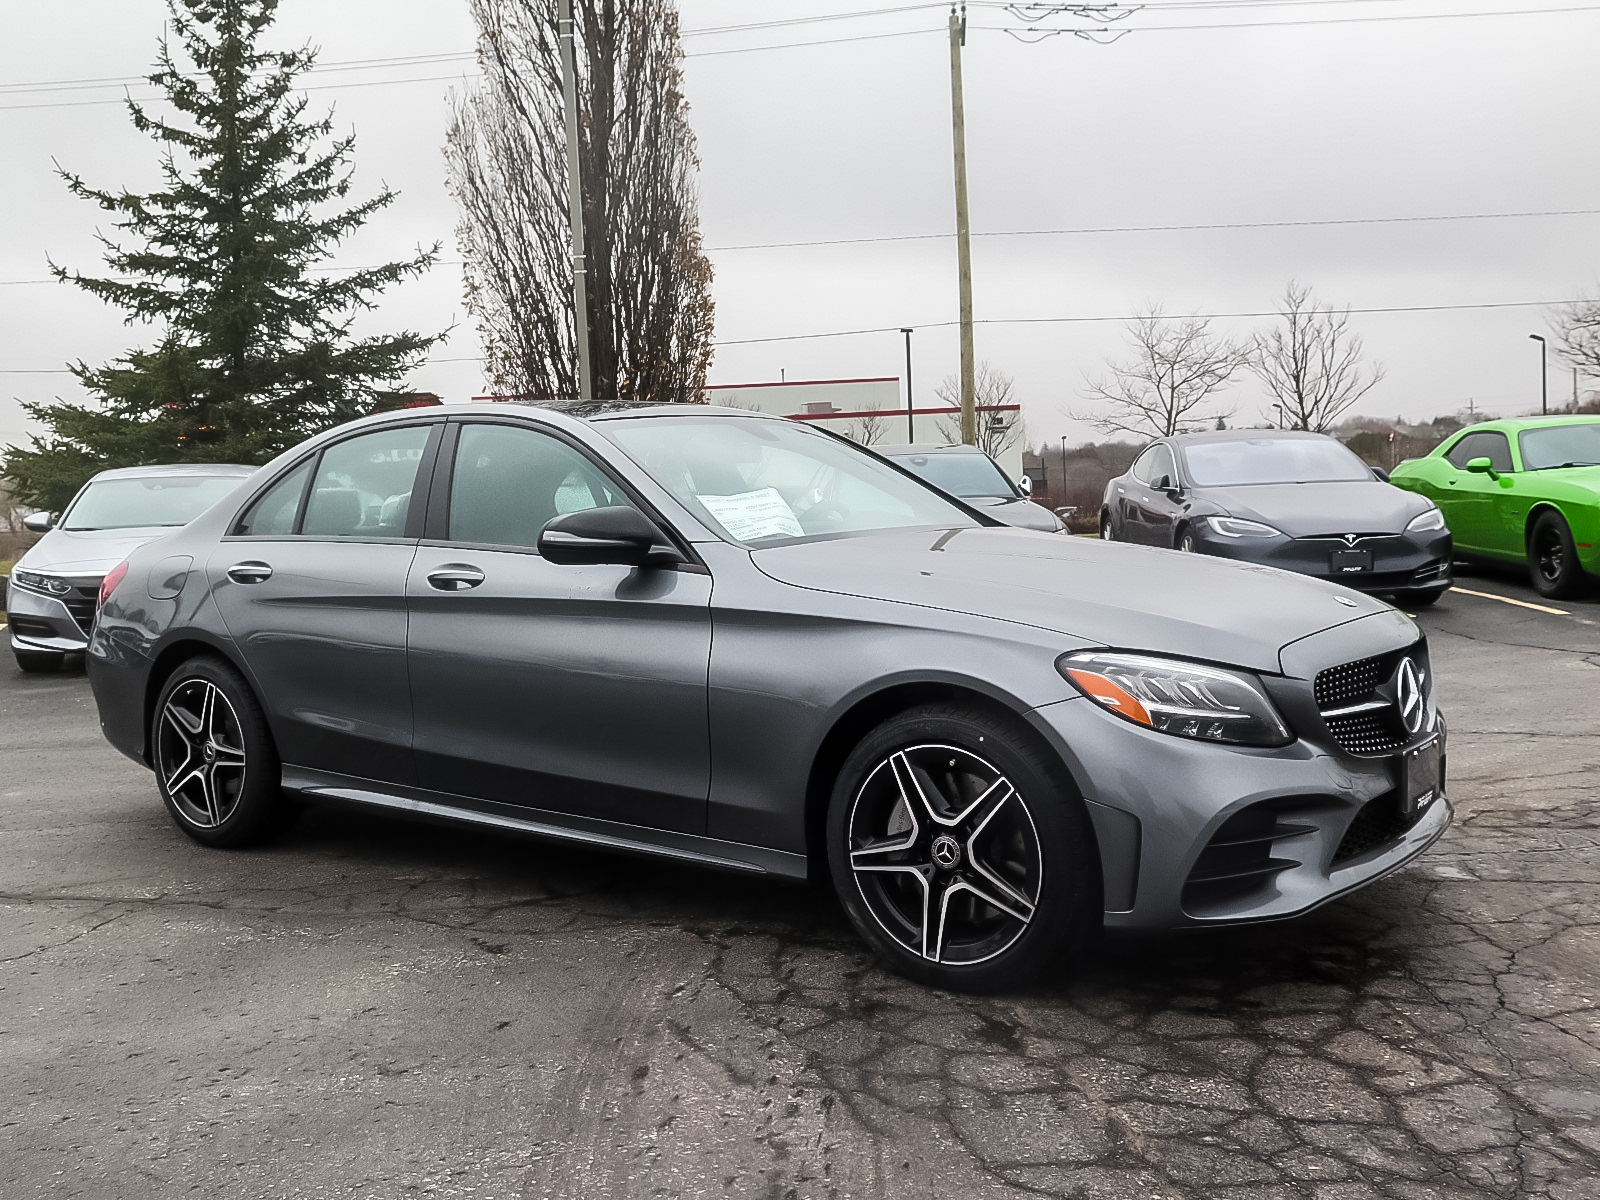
455,577
250,572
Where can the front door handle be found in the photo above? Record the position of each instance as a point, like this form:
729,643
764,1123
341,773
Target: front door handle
455,577
250,572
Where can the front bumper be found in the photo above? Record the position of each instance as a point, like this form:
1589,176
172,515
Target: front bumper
43,624
1400,562
1160,806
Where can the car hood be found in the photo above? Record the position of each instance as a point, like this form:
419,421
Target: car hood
1103,593
1320,509
85,552
1023,514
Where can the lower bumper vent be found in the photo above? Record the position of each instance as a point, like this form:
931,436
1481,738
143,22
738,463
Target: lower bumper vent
1242,857
1380,823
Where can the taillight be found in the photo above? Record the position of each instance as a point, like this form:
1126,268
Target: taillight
109,584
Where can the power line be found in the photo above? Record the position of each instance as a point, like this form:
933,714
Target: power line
1095,229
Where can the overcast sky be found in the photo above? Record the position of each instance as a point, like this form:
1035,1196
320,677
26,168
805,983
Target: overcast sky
1271,112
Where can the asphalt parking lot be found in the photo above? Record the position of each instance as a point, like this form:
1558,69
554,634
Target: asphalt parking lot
372,1008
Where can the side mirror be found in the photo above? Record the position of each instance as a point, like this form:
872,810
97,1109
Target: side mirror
620,535
1482,466
1025,486
39,522
1169,485
1380,474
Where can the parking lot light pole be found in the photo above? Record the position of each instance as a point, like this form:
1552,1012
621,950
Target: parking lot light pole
1544,374
911,413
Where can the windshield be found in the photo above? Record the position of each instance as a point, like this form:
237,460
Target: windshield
146,501
1272,460
771,481
970,476
1560,446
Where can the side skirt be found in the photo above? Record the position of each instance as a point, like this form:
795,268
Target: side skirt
441,807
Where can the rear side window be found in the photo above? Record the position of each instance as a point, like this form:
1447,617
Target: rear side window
508,483
1487,443
274,513
363,486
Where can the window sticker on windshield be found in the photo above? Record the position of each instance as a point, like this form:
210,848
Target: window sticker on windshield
751,516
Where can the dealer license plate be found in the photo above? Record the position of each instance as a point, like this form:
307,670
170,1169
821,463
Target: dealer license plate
1424,777
1348,562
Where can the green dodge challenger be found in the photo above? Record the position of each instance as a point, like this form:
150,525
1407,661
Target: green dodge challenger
1525,490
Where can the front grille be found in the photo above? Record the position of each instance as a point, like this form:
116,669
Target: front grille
1241,857
81,605
1379,823
1376,727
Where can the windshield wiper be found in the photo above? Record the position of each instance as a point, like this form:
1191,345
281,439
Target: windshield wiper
1560,466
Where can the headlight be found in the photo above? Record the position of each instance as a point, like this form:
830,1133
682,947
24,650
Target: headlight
1430,520
1233,527
1183,699
34,582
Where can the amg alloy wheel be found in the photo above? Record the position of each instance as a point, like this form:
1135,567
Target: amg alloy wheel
214,760
1553,558
959,853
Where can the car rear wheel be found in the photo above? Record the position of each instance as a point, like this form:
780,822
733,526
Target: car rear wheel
1552,558
36,662
216,766
960,851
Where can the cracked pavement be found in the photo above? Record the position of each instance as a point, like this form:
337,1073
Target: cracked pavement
375,1008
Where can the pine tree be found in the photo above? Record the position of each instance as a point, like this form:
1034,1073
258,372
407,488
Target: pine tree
255,349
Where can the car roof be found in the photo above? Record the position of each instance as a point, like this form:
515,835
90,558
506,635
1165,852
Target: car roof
1243,435
1516,424
203,470
675,410
915,449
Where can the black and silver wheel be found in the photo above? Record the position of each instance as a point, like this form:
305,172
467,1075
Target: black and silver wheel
960,852
1552,558
35,662
1185,541
1106,534
215,764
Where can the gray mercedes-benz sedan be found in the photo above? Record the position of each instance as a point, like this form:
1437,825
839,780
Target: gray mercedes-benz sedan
736,641
51,594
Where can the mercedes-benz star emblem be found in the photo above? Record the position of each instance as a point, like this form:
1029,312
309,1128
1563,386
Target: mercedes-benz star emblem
946,851
1408,696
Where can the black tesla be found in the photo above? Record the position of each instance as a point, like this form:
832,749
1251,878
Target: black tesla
1299,501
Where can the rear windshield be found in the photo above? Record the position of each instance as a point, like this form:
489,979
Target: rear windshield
970,476
1560,446
146,502
1272,460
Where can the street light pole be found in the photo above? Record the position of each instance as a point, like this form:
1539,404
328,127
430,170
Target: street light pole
958,121
1544,374
911,413
580,274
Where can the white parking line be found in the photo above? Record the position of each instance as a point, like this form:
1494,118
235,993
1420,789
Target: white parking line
1544,608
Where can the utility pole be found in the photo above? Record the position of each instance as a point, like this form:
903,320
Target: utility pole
958,115
1544,373
580,280
911,411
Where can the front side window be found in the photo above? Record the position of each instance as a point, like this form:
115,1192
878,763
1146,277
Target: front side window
1559,446
509,482
146,501
1142,465
1487,443
1160,466
363,486
762,481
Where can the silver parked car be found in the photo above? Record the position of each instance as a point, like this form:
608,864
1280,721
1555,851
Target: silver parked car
971,476
51,596
732,640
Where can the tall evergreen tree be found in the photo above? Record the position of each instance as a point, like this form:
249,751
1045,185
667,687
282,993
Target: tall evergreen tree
255,350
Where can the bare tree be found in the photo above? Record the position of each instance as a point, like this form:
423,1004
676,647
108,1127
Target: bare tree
1577,330
1167,384
649,284
1311,363
997,431
868,430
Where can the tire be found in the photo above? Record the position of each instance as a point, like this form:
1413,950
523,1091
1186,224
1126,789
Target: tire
1553,559
924,886
216,766
38,662
1423,599
1105,528
1185,541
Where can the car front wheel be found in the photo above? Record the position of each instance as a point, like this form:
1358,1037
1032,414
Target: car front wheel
1105,528
216,766
961,852
1552,558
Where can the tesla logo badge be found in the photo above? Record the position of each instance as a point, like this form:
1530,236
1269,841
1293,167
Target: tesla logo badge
1350,539
1408,696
